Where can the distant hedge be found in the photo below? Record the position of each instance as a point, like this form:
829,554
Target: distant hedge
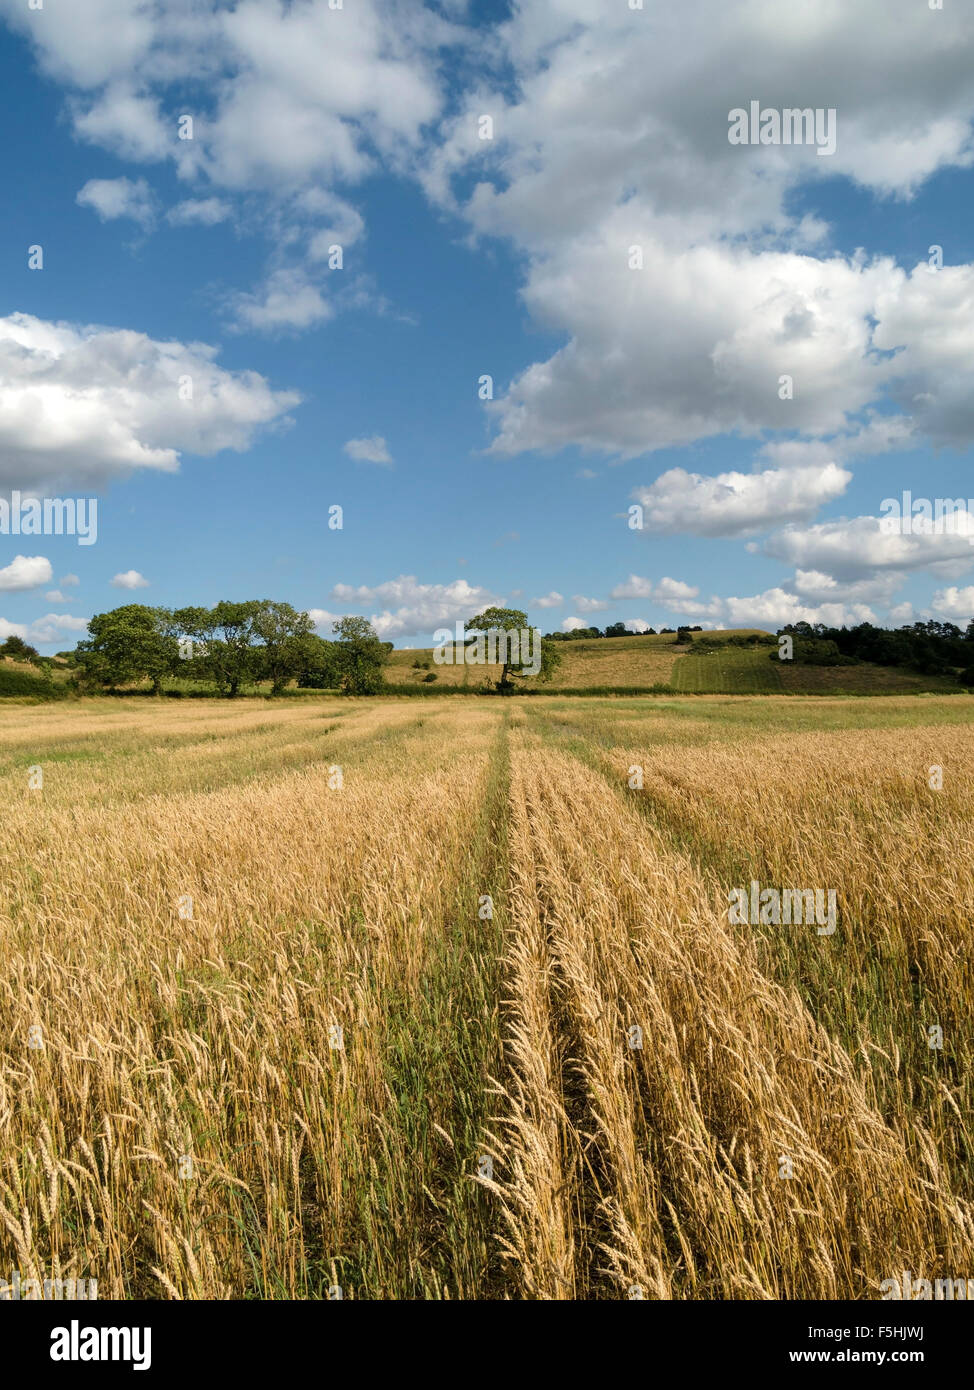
26,683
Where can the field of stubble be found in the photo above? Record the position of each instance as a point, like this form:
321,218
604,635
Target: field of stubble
340,1073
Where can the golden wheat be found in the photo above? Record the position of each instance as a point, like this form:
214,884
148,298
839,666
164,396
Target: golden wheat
425,1000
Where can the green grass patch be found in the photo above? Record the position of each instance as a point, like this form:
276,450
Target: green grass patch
727,671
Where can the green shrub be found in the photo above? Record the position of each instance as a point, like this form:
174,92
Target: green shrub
27,683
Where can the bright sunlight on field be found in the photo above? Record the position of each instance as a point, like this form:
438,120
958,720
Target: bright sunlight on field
442,999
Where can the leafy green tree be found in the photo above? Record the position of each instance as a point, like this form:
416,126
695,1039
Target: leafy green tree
506,620
551,659
196,624
230,653
128,644
318,666
513,620
283,630
933,648
361,656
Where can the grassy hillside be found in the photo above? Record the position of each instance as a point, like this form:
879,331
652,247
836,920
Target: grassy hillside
20,680
607,665
631,663
731,670
865,679
596,662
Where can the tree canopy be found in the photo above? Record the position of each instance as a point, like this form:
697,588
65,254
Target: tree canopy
932,648
360,656
230,646
514,620
130,643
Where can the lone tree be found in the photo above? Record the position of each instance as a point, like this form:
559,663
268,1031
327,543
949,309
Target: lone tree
513,620
360,656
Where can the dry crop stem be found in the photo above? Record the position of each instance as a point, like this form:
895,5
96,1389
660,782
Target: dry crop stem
190,1129
680,1141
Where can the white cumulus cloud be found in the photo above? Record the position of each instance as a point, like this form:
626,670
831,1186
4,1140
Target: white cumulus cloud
954,604
411,607
859,548
83,405
372,449
636,586
113,198
53,626
735,504
130,579
288,301
26,572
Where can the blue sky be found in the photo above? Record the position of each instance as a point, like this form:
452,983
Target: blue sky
461,257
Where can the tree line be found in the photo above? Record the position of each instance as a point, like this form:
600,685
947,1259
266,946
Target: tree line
237,645
619,630
931,648
229,646
233,646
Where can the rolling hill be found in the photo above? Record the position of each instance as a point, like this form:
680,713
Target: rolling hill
599,665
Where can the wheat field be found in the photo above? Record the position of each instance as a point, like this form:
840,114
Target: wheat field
405,999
